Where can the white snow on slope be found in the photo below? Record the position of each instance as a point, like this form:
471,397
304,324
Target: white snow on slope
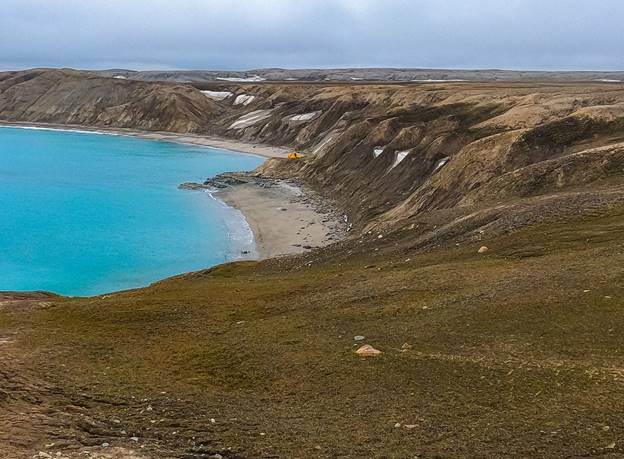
240,80
400,156
304,116
250,119
244,99
217,95
608,80
441,164
377,151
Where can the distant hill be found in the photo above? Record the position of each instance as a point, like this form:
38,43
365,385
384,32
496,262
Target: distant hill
360,74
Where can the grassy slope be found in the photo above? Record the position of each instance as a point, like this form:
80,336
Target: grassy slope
510,357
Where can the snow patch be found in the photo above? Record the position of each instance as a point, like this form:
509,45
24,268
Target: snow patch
378,151
304,116
217,95
120,77
241,80
608,80
400,156
244,99
441,164
250,119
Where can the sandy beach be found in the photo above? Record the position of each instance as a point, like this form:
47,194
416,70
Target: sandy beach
282,218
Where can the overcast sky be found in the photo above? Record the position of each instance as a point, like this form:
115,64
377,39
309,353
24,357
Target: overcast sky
245,34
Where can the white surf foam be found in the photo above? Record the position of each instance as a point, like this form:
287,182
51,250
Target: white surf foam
242,243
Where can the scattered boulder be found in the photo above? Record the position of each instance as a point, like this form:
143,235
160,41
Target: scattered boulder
483,249
358,338
367,351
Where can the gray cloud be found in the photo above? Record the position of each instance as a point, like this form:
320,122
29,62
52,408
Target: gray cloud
222,34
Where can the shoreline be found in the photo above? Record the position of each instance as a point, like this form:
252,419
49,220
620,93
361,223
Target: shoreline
235,146
283,218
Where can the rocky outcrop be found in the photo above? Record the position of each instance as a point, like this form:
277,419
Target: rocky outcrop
218,182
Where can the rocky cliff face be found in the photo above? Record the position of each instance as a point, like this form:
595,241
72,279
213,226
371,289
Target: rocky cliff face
442,158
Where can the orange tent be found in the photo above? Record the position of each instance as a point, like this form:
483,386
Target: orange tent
294,155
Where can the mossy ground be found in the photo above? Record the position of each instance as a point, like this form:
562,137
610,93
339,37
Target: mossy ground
515,353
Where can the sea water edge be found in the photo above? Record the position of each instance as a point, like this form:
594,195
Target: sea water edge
241,243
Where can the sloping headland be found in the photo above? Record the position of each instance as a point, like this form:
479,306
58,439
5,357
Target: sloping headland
484,260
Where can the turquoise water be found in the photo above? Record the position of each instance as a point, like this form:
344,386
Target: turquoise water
84,214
